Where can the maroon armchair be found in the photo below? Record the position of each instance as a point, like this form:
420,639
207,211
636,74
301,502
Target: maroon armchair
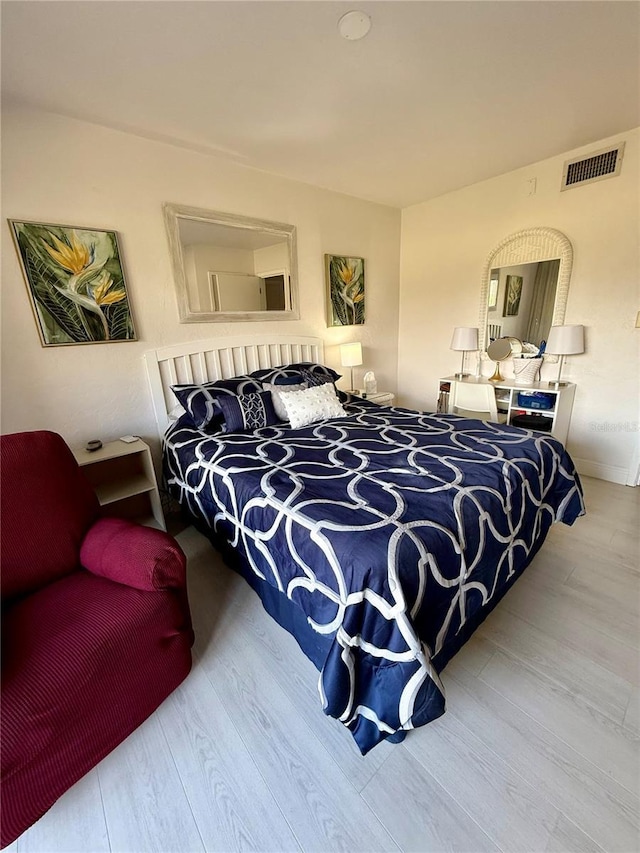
96,630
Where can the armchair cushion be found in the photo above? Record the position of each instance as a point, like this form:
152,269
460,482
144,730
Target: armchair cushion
139,557
85,662
47,506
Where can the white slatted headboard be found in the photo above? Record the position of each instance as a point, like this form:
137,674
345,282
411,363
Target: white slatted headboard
222,358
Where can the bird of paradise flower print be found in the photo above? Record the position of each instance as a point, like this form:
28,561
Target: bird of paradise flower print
345,281
76,283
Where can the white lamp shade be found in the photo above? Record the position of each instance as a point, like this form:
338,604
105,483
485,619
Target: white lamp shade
565,340
351,354
464,338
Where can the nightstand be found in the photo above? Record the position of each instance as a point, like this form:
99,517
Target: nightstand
382,398
124,479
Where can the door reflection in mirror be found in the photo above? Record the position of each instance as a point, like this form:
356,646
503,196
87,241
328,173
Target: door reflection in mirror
534,315
231,270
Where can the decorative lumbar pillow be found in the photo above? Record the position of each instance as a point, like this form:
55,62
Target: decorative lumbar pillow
313,404
247,412
278,391
201,401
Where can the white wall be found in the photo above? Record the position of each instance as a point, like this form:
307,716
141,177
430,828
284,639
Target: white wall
70,172
445,244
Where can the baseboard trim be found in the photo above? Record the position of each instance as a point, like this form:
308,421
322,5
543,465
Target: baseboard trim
612,473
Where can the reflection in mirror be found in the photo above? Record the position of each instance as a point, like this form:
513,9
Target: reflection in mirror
523,301
228,267
525,285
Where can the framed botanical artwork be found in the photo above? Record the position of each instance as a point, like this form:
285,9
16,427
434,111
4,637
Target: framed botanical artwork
75,282
512,294
345,290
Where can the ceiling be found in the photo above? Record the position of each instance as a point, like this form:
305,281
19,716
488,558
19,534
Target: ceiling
439,95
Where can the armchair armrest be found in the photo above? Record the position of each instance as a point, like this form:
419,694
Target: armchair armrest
133,555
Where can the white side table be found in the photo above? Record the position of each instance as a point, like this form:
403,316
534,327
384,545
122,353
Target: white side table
382,398
124,479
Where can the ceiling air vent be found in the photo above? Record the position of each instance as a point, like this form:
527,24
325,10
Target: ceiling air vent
585,170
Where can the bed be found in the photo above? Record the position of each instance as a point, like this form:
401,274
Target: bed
380,539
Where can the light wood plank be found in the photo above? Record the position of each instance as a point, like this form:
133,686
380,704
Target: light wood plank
230,801
144,802
75,824
590,733
418,812
566,621
621,546
601,807
600,612
278,652
591,683
632,715
476,653
551,564
322,807
510,811
568,838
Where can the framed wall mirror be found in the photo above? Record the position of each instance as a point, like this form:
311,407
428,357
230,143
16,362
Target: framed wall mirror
231,268
525,285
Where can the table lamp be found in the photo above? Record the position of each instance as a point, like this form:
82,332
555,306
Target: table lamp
465,339
564,340
351,356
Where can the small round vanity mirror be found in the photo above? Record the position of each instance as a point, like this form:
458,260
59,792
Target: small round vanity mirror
497,351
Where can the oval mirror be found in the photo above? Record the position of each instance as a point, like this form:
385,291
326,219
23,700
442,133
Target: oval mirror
229,267
499,350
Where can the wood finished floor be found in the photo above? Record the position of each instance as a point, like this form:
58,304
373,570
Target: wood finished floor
538,750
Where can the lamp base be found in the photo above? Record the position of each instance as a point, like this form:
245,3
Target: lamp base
552,383
462,375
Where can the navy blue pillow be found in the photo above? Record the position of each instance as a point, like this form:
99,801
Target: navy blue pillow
294,379
247,412
319,378
202,401
273,374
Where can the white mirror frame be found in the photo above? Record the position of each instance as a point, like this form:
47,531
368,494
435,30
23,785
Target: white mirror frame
287,232
528,247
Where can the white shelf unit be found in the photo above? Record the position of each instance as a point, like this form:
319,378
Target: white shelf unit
554,421
124,479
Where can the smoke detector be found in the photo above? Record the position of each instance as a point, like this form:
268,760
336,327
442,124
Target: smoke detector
354,25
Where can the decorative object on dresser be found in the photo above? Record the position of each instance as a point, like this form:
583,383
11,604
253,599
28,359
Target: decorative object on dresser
565,340
345,290
351,356
464,340
123,477
76,283
370,383
497,351
526,369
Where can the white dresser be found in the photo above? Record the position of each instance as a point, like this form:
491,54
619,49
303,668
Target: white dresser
554,420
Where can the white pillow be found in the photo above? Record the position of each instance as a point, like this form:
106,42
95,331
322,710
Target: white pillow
175,413
314,404
277,391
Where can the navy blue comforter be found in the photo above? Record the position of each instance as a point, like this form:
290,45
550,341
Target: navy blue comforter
394,532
